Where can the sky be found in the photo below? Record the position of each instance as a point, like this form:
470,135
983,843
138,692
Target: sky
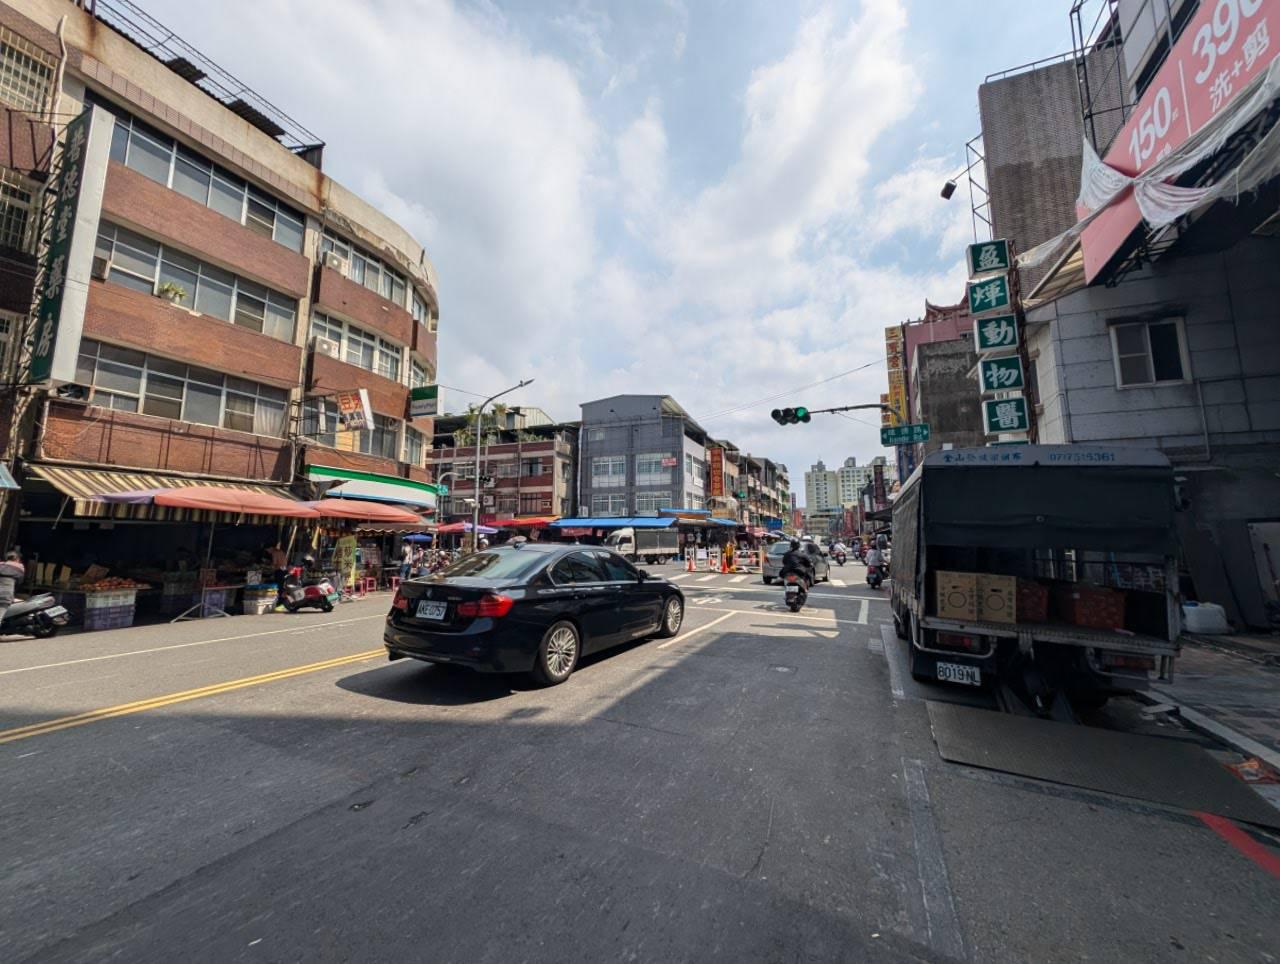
725,201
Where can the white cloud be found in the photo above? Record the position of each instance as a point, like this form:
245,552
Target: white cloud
497,156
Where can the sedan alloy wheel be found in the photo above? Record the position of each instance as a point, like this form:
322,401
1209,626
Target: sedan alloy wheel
558,654
672,617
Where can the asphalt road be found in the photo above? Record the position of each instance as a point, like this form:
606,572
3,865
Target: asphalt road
764,787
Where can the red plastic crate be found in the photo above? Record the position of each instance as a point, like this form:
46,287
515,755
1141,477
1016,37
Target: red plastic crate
1090,606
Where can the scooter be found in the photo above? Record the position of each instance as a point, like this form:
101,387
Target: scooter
875,576
40,616
299,593
840,557
796,587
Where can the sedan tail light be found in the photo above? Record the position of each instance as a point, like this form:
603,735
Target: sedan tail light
492,605
400,602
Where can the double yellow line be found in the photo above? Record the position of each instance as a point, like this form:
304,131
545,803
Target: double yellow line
140,706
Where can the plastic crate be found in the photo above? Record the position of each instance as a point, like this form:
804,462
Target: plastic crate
217,599
258,605
110,599
174,603
108,617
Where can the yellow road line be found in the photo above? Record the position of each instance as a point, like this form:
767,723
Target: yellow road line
139,706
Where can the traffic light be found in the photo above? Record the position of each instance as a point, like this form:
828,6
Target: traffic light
790,416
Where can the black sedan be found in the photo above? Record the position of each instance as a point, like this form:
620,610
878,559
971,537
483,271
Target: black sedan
534,607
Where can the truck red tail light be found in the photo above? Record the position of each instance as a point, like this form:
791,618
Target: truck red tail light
400,602
492,605
960,641
1127,661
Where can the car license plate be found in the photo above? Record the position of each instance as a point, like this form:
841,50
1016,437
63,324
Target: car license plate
956,673
431,610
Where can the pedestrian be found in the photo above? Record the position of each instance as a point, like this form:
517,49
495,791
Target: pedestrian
406,560
12,572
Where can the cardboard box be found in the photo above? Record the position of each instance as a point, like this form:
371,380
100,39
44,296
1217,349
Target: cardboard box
1090,606
1033,602
957,595
997,598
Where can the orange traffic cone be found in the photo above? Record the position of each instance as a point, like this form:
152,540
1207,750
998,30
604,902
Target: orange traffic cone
724,565
688,558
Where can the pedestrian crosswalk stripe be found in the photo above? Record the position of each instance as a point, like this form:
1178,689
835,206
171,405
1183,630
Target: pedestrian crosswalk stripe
708,577
839,583
738,579
681,575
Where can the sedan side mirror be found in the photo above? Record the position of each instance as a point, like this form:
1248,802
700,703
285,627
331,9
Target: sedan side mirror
642,575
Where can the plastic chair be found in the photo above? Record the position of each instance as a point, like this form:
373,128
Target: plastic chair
393,582
368,584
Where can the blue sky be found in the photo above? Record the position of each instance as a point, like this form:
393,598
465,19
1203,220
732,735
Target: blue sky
717,199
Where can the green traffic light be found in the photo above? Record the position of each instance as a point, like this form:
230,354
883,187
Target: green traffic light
802,414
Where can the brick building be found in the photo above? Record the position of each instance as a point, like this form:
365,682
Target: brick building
229,287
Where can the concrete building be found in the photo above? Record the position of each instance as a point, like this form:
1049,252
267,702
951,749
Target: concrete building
528,465
639,454
821,487
1166,337
853,478
220,289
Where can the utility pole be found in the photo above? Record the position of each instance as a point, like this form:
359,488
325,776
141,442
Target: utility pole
475,508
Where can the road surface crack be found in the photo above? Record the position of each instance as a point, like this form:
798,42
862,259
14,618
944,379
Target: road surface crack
768,835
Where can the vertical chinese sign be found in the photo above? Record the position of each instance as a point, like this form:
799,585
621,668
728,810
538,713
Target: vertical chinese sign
896,361
70,236
879,493
715,458
996,338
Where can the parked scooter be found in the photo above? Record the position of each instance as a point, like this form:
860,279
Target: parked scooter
301,591
796,586
40,616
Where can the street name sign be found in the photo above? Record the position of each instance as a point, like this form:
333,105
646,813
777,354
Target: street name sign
905,434
989,256
1000,374
989,294
1005,415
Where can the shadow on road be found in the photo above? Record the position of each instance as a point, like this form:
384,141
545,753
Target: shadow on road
424,684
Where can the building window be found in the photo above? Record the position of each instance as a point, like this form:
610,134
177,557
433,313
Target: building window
365,269
532,467
162,159
650,471
507,503
418,376
413,447
17,196
382,440
144,265
531,503
606,506
421,311
609,471
359,347
132,381
648,503
1150,352
595,435
506,470
10,326
320,420
26,73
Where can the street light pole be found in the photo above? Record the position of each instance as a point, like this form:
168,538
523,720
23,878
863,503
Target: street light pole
475,508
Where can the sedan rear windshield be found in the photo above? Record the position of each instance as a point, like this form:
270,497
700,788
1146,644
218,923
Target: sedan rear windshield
497,564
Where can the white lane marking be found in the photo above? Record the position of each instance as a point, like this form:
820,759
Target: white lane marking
812,595
862,611
681,638
889,639
779,610
202,642
681,575
931,867
839,583
738,579
708,577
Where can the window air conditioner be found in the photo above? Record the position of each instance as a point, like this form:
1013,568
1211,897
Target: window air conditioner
487,501
331,259
101,268
326,346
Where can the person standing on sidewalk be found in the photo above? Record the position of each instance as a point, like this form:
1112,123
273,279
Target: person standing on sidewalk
12,572
406,560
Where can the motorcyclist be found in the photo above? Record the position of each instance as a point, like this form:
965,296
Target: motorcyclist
12,572
797,561
875,560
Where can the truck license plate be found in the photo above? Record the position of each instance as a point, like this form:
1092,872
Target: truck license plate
431,610
956,673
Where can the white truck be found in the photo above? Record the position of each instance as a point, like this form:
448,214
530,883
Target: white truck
654,546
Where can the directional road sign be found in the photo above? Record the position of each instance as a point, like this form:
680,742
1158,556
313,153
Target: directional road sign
905,434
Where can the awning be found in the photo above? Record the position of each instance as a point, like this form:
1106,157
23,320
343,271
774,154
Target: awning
456,528
531,522
83,486
644,522
364,511
352,484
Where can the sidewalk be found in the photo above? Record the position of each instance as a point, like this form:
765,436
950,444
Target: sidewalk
1233,682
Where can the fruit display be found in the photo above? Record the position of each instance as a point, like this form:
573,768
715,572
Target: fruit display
112,584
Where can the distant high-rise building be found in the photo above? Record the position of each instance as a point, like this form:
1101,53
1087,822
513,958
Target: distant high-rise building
821,487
